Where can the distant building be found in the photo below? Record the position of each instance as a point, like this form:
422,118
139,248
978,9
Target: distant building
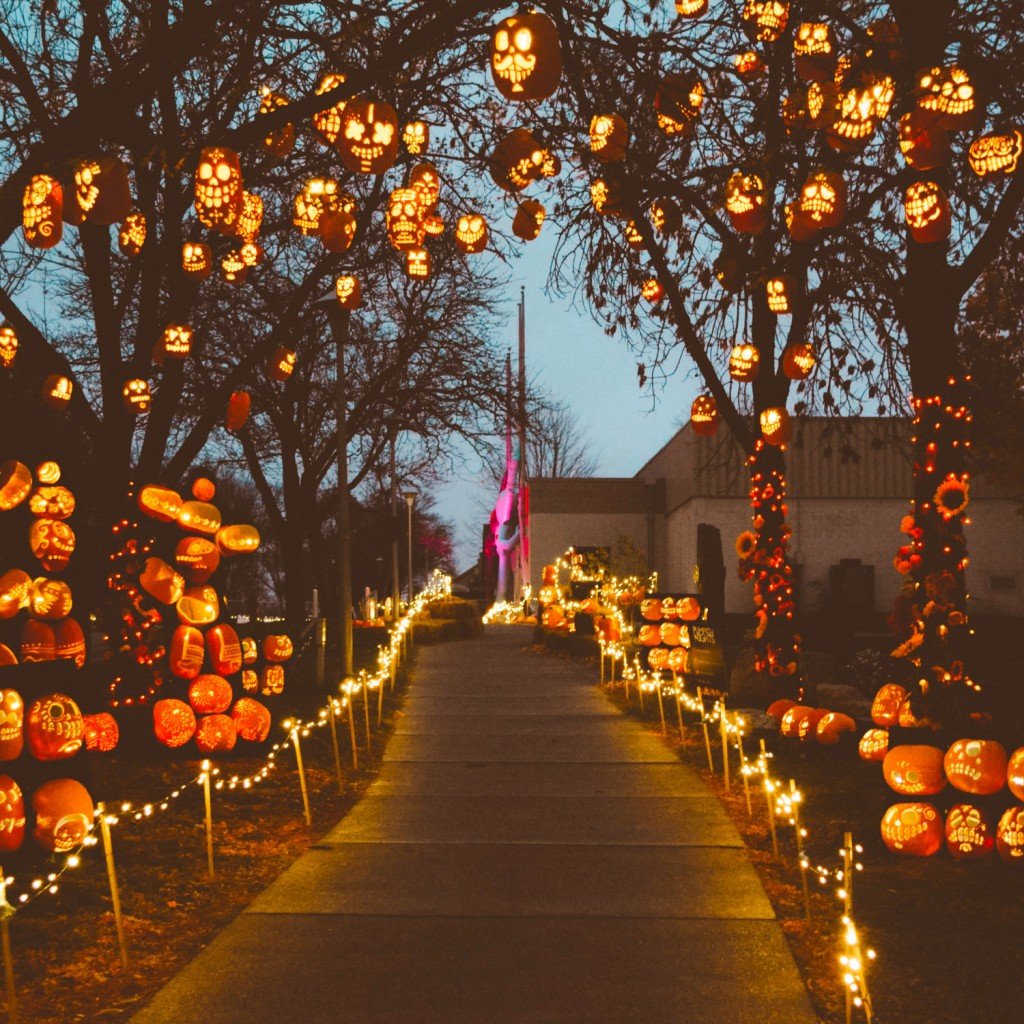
849,485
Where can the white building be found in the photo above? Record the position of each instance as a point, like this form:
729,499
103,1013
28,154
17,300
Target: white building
849,485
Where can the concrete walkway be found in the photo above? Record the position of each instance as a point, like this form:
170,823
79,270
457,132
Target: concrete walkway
527,854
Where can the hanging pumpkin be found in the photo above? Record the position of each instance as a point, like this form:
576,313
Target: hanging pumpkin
852,122
823,199
218,189
279,141
427,183
196,260
976,766
338,230
526,56
885,708
416,137
136,396
57,392
704,416
348,291
102,191
12,815
8,346
238,411
434,225
874,745
101,732
131,236
652,291
814,57
368,143
609,137
666,216
923,143
234,268
64,815
744,362
748,64
764,20
55,727
745,202
912,828
517,160
528,220
176,342
776,426
798,360
251,720
996,154
914,770
316,198
404,219
950,95
327,122
677,102
417,263
471,233
691,8
281,364
42,208
251,217
968,833
781,291
224,649
174,722
926,208
187,652
606,197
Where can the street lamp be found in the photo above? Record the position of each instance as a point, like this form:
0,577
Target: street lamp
410,498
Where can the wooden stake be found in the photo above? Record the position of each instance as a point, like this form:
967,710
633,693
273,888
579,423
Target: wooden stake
800,848
771,803
380,703
661,708
704,727
723,728
333,721
115,895
209,818
366,712
6,913
352,730
302,777
679,706
602,666
743,770
321,652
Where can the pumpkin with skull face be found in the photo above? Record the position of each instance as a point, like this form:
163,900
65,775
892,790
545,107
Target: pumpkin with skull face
8,346
976,766
914,770
102,192
606,197
833,727
101,732
652,291
404,219
609,137
251,720
518,159
814,56
823,199
218,189
996,154
196,260
137,396
53,542
704,416
949,94
12,721
12,815
50,599
912,828
42,209
425,179
745,202
174,722
764,20
417,263
55,727
131,236
528,220
526,56
277,647
677,102
176,342
744,362
368,143
327,122
416,137
64,815
780,291
874,745
927,212
1010,835
885,708
317,197
348,291
471,233
968,833
776,425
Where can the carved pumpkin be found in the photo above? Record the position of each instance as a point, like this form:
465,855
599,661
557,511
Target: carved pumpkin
798,360
277,648
923,143
793,719
764,20
199,606
526,56
218,189
15,587
833,727
926,208
885,708
814,57
652,291
368,143
745,202
348,291
160,503
102,192
209,694
780,291
778,708
225,649
471,233
278,140
650,609
316,198
528,220
688,609
8,346
976,766
187,651
101,732
38,642
823,199
49,599
250,220
52,542
216,734
57,392
64,815
12,815
404,219
272,679
607,629
251,719
874,745
1015,773
55,502
161,582
949,94
744,362
237,411
327,122
996,154
174,722
704,416
609,137
912,828
196,260
55,727
12,721
131,235
606,197
281,364
338,230
517,160
416,137
42,210
237,539
199,517
197,558
914,770
968,833
69,642
669,632
677,102
776,426
1010,835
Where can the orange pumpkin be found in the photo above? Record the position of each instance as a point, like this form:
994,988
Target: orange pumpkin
55,727
225,649
12,815
69,642
38,642
216,734
670,634
250,681
914,770
160,503
976,766
186,652
252,720
552,617
649,636
49,599
237,413
7,658
607,629
549,576
161,582
526,56
657,658
199,517
677,660
1010,835
15,484
1015,773
250,651
12,721
101,732
174,722
912,828
688,609
64,815
368,142
874,745
199,606
885,708
238,539
968,832
197,558
796,721
15,586
778,708
209,694
272,680
650,609
833,726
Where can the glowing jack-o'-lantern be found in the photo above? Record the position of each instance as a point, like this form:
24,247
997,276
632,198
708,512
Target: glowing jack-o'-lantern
968,833
416,137
8,346
885,708
609,137
764,20
744,362
670,634
417,264
677,102
914,770
131,236
1010,835
949,94
317,197
814,51
471,233
161,582
748,64
196,260
15,588
251,719
52,542
976,766
218,189
528,220
526,56
38,642
874,745
798,360
833,727
238,539
69,642
12,720
57,392
136,396
996,154
927,213
650,609
776,425
822,104
237,412
250,218
427,183
12,815
225,649
923,143
691,8
704,416
795,114
277,647
49,599
792,719
102,192
338,230
649,636
250,651
278,140
404,219
250,681
327,122
1015,773
64,815
216,734
652,291
199,517
606,197
281,364
657,658
209,694
780,291
368,143
160,503
15,484
42,209
272,680
433,225
912,828
233,266
823,199
199,606
176,342
174,722
55,727
348,291
186,653
745,202
666,216
101,732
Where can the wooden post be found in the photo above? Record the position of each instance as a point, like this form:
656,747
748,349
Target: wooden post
302,776
352,730
743,769
679,705
115,895
321,652
723,727
771,802
800,848
639,685
602,664
209,817
6,913
366,712
661,707
704,727
333,721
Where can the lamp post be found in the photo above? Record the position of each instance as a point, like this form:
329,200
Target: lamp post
410,498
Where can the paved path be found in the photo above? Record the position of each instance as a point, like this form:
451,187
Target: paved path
527,854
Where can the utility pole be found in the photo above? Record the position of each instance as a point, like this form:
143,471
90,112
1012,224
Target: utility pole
392,427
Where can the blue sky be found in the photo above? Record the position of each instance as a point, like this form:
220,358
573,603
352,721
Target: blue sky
568,354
